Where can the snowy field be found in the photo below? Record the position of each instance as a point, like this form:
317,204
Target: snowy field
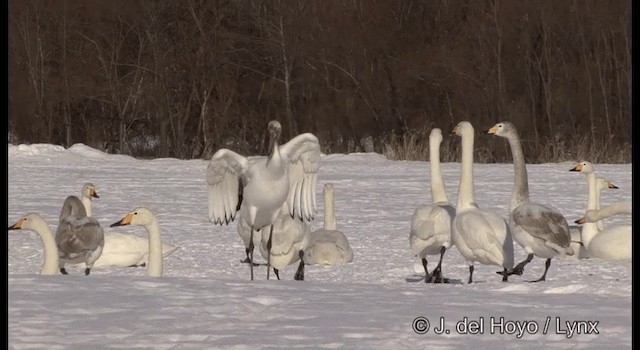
205,299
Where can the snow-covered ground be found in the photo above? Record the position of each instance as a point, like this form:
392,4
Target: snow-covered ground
206,300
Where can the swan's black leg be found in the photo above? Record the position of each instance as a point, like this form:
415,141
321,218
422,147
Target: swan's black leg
546,268
470,273
246,260
437,273
87,271
269,251
251,251
427,276
505,275
276,272
300,272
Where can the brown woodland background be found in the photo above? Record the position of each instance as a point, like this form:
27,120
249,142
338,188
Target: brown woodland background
185,78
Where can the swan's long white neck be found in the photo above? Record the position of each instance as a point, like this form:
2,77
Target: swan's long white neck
154,267
86,201
466,196
520,193
438,192
590,229
329,217
610,210
50,264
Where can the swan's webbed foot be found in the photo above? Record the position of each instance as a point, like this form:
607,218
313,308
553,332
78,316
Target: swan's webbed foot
505,274
299,276
245,261
87,271
63,271
277,273
141,265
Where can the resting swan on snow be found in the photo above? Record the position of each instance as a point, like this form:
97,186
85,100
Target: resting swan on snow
431,224
142,216
613,242
479,234
328,245
542,231
121,249
580,252
289,238
35,222
595,215
258,187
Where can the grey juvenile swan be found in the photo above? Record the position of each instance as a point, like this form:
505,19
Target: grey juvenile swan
79,238
542,231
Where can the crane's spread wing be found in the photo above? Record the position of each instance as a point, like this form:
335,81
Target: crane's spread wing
303,154
224,175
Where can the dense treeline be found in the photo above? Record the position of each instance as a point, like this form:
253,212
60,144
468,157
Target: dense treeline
184,78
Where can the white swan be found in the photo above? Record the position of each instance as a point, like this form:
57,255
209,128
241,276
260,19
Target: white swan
479,234
79,238
35,222
121,249
542,231
431,224
580,252
258,187
595,215
328,245
612,243
142,216
288,241
88,193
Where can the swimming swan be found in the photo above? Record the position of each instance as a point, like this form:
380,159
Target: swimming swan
142,216
328,245
431,224
121,249
542,231
258,187
35,222
580,252
612,243
79,238
479,234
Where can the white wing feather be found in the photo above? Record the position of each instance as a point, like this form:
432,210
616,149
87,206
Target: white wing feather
223,174
303,154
